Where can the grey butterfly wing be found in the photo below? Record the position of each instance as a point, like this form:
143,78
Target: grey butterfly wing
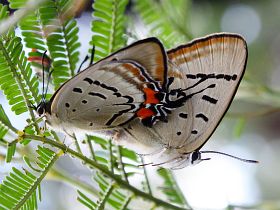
211,68
108,93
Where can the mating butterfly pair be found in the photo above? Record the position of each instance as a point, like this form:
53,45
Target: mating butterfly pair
180,96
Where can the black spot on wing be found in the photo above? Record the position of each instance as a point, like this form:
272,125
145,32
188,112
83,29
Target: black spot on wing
183,115
211,76
199,75
109,87
117,94
77,90
67,105
234,77
194,132
227,77
202,116
220,76
96,82
84,101
179,133
209,99
191,76
89,80
97,94
115,116
130,99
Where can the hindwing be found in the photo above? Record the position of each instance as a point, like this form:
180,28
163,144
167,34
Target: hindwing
211,68
205,73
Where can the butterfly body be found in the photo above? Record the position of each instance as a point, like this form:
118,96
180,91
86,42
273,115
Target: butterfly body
162,104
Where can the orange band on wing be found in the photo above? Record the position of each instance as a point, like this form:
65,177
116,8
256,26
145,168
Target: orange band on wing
150,96
144,113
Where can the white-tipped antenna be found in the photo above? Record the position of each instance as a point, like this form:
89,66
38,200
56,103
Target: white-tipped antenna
43,67
234,157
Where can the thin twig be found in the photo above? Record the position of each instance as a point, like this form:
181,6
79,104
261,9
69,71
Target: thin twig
119,150
89,142
146,177
103,169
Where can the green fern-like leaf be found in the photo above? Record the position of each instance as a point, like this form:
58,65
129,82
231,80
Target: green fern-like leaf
170,188
160,20
50,29
108,27
109,194
16,80
20,190
86,201
9,77
4,123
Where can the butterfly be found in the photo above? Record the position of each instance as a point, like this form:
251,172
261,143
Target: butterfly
153,100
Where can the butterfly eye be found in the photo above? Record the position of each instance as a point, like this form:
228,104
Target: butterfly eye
195,157
41,109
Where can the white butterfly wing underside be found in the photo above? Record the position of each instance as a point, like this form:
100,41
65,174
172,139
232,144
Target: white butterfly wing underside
221,58
109,92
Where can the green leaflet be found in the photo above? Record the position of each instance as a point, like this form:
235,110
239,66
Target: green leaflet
20,189
48,29
4,122
16,80
170,188
110,197
165,19
108,27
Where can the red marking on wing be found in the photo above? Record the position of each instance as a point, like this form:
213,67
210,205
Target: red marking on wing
150,96
144,113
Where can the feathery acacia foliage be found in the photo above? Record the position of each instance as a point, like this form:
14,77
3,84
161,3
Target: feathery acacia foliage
16,79
21,189
157,16
4,120
108,26
53,28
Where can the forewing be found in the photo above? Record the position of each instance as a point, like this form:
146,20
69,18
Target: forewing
211,68
149,53
108,93
99,98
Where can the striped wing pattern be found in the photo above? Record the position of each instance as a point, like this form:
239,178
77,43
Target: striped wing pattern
211,69
206,74
109,93
193,85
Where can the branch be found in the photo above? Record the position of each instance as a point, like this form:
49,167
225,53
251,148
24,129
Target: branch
102,169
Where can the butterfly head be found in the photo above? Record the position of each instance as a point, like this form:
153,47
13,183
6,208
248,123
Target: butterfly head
43,107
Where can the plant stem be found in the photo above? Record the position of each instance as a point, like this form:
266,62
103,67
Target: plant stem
146,177
177,188
76,143
121,163
60,175
101,168
111,161
91,148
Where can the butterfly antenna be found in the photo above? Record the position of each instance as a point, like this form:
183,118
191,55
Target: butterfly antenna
80,67
49,78
144,164
43,68
232,156
92,55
